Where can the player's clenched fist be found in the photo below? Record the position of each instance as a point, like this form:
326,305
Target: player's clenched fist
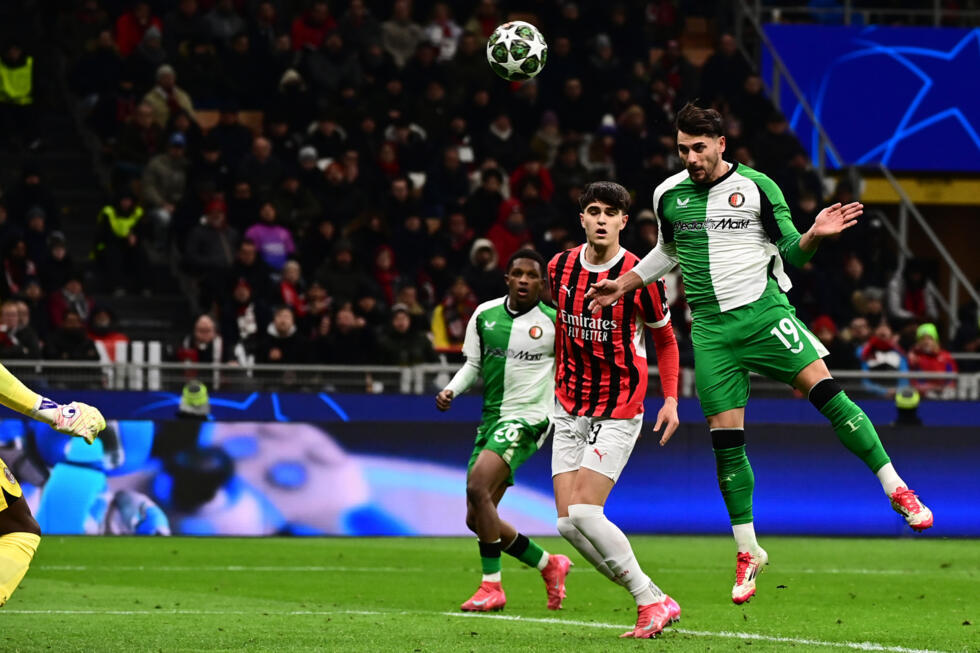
76,418
444,399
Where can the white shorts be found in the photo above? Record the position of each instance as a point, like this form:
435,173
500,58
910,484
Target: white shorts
603,444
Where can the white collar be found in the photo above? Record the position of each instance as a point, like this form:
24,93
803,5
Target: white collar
604,267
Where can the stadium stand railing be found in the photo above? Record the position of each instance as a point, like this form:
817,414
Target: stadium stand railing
377,379
753,16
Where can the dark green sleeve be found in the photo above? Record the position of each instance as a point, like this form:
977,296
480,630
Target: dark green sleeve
778,222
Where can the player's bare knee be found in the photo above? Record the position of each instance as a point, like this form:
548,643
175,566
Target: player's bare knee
478,495
17,518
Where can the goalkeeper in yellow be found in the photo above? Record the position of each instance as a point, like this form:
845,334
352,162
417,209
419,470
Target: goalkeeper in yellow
19,531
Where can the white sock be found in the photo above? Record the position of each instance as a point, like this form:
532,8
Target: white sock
889,478
583,546
543,562
745,538
492,578
615,549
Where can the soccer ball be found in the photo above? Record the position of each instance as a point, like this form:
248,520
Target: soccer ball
517,51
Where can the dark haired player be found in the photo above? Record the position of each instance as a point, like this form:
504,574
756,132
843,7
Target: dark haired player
600,384
510,341
729,229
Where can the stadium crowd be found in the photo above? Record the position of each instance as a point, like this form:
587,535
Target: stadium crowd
340,182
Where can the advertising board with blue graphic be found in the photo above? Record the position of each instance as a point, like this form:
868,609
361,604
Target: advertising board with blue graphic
408,478
903,96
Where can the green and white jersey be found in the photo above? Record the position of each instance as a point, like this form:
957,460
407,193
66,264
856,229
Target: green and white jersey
727,237
515,353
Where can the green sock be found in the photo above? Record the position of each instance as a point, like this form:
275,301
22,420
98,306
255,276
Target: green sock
735,477
490,556
855,430
526,550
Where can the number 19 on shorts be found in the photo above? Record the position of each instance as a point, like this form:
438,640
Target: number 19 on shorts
785,331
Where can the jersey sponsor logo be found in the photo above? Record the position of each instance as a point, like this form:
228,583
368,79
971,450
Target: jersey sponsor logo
516,354
736,199
489,325
683,202
535,332
712,225
588,328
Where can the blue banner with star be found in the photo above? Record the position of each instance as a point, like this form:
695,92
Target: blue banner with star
908,97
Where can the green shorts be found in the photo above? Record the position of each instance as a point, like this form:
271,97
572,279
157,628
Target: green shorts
764,337
513,440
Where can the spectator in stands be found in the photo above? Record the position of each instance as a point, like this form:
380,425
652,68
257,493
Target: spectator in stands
30,192
350,342
282,343
443,32
261,169
482,207
317,303
164,183
69,341
841,353
249,266
71,298
311,28
400,343
243,321
132,25
483,274
410,242
185,124
234,138
33,298
17,267
292,288
870,304
223,22
98,70
210,253
502,144
456,239
776,145
928,356
724,72
199,69
510,233
447,184
80,29
450,317
266,26
181,26
203,344
400,35
166,96
36,235
882,354
359,26
210,166
908,296
316,245
327,139
644,233
102,331
140,139
968,335
385,273
342,201
149,55
342,277
57,266
296,205
118,245
331,67
241,68
16,341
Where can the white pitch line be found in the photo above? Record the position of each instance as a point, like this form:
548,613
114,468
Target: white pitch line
355,570
229,568
723,634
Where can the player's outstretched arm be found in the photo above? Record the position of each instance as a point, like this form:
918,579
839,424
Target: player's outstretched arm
76,418
831,221
444,399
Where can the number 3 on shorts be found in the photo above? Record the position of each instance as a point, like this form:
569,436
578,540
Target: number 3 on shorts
510,432
785,330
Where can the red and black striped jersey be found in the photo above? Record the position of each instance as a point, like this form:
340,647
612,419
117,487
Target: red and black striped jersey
600,358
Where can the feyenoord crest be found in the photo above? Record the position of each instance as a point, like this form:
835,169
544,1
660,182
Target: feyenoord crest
736,200
535,332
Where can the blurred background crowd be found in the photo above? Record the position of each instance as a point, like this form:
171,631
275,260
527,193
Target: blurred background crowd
341,182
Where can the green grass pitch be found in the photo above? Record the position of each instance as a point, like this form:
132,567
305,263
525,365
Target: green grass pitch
182,594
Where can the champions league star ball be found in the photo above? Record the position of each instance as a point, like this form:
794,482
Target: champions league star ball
517,51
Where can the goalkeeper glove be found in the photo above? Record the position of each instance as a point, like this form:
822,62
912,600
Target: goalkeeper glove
76,418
